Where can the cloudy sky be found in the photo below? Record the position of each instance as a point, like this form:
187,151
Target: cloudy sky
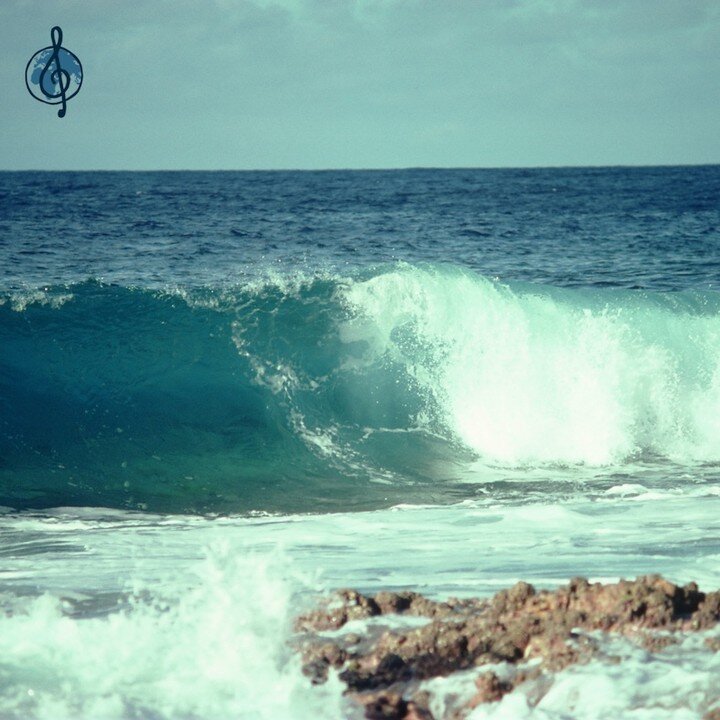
366,83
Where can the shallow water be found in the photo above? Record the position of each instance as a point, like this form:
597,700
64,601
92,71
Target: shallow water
137,608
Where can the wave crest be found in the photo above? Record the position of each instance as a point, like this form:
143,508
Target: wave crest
335,392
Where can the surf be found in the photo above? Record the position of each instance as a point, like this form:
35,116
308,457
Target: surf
330,392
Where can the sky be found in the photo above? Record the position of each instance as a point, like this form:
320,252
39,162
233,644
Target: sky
294,84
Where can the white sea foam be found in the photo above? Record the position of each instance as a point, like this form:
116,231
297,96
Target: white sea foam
215,647
679,683
207,632
21,299
527,376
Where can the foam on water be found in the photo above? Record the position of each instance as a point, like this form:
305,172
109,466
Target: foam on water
678,684
152,359
216,647
129,615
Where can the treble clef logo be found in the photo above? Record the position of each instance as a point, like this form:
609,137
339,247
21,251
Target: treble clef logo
54,75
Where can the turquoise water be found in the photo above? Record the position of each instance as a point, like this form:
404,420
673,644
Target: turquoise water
223,394
345,393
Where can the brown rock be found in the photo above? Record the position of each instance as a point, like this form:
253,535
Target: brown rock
708,612
318,659
339,609
490,688
391,706
382,670
384,706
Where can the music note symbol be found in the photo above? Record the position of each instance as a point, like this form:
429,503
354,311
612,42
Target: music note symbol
55,72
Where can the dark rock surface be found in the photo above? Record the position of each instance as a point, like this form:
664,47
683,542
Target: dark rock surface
382,668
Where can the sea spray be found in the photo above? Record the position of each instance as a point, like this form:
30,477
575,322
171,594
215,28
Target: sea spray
527,375
212,644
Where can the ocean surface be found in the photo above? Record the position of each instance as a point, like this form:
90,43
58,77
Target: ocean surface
225,394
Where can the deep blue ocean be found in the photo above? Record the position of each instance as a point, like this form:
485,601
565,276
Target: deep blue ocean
239,341
224,394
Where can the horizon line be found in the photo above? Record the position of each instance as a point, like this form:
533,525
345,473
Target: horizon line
373,169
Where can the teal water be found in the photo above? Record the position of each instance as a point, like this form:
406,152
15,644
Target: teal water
225,394
408,383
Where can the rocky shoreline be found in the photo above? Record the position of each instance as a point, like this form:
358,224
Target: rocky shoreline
522,634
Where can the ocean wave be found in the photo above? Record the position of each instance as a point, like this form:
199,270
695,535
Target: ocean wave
328,392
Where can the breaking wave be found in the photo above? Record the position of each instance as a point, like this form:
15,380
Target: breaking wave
333,392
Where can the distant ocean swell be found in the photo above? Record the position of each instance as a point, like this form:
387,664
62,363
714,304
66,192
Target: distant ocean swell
338,393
